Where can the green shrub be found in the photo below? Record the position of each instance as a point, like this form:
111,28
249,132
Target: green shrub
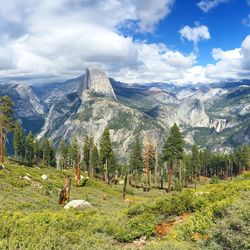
214,179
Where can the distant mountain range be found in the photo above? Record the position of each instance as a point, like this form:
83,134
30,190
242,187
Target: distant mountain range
216,116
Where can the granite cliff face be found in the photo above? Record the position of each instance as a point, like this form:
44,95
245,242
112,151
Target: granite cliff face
97,82
215,115
30,110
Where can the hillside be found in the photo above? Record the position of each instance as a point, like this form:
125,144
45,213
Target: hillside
211,115
215,216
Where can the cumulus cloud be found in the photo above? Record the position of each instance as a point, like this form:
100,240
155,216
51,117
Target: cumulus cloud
195,34
61,38
230,64
206,5
148,13
58,39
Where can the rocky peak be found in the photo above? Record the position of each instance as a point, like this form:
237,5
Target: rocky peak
96,81
27,94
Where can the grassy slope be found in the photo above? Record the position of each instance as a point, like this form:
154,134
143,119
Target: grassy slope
30,217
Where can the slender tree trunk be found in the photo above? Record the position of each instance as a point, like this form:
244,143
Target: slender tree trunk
195,178
1,142
155,176
180,173
77,174
125,186
149,176
90,172
231,170
156,169
106,171
170,177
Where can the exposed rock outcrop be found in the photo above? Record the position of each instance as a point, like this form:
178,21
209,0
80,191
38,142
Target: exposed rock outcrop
77,204
219,125
97,82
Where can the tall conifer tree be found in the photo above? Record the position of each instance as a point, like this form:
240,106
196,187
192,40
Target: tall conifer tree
173,151
107,155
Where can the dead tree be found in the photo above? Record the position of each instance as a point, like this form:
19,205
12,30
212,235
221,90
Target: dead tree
125,186
65,192
78,172
1,141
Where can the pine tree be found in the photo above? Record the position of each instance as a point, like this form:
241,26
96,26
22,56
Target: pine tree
74,152
29,148
46,151
95,159
195,163
63,153
37,152
75,155
149,163
173,151
107,155
19,142
136,160
52,160
6,121
86,154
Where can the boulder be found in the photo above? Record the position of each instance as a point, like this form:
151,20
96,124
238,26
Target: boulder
78,204
44,177
25,177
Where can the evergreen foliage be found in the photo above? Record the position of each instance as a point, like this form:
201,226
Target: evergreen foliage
107,153
6,113
136,159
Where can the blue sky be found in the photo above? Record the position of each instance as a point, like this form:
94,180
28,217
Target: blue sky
135,41
224,23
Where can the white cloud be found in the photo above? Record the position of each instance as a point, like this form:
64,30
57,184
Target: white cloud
48,39
195,34
230,64
206,5
61,38
157,63
149,13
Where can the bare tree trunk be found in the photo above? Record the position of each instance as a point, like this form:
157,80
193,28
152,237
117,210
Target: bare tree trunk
149,176
77,175
90,172
156,169
170,177
231,169
106,171
1,142
125,186
195,178
180,173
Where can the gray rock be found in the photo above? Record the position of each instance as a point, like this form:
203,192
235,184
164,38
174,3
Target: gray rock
78,204
44,177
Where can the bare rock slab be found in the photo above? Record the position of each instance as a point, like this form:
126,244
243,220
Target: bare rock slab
78,204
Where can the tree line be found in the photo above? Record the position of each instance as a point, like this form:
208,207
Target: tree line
148,166
30,150
180,169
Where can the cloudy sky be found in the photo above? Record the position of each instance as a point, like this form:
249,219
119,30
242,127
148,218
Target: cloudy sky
176,41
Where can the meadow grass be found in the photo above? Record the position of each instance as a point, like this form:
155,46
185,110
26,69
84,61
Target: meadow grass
31,218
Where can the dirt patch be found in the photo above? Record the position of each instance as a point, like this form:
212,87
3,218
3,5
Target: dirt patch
166,227
163,228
